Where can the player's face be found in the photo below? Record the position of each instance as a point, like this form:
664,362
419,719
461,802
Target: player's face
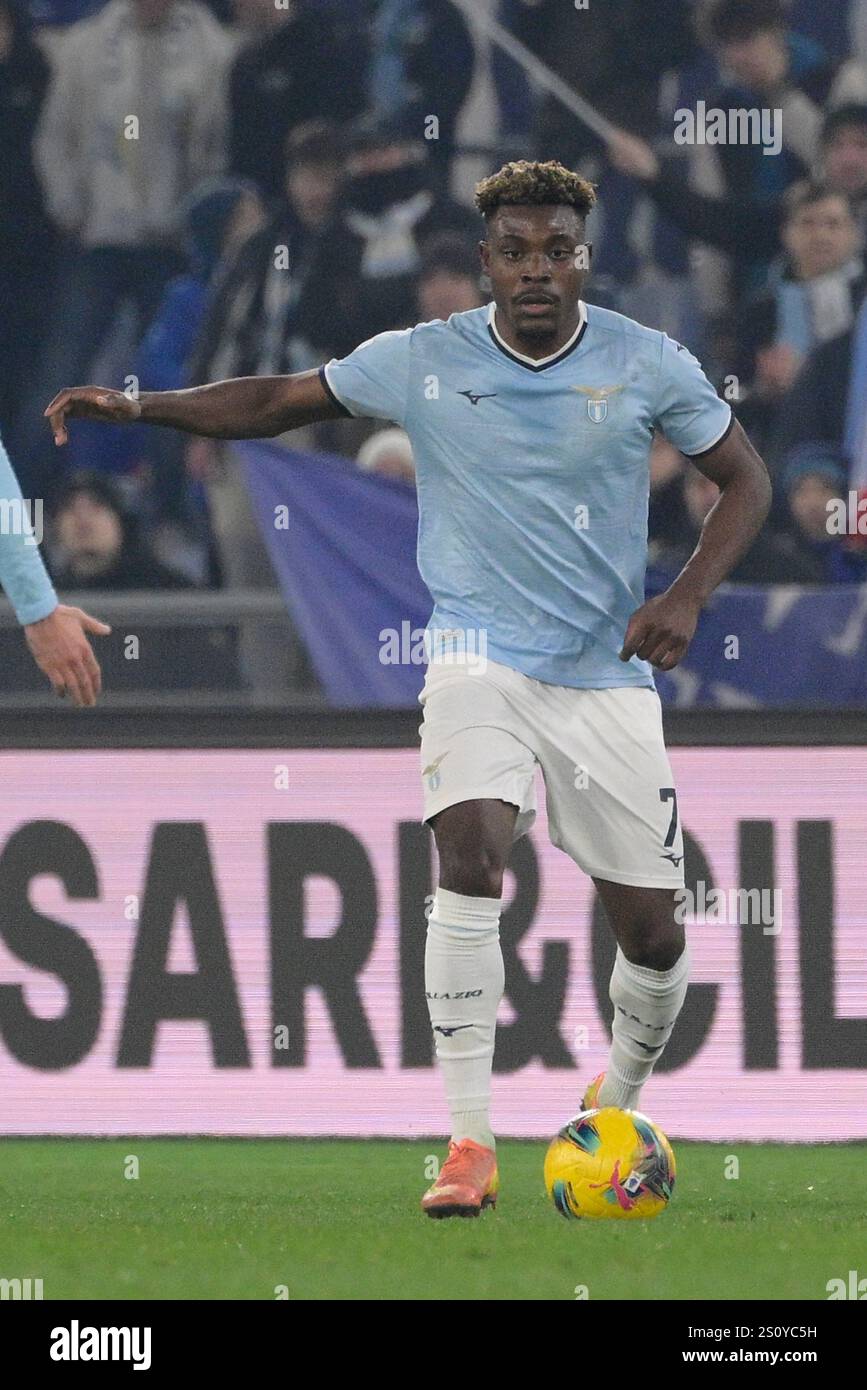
536,258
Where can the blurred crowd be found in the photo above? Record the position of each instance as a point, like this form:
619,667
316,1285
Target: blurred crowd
195,189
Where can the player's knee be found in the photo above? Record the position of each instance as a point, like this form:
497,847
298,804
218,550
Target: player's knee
475,873
658,947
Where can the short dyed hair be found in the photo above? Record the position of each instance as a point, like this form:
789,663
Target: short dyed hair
531,183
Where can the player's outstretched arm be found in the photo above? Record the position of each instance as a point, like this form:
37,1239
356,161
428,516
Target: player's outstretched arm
252,407
661,630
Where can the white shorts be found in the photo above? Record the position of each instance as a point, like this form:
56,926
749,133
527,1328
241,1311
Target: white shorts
609,791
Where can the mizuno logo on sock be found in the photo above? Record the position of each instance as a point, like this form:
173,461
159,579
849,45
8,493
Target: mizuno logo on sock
447,1032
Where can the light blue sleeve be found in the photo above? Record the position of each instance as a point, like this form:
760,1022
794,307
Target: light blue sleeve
22,573
689,412
373,380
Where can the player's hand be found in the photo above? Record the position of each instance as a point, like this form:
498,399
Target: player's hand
661,630
632,155
91,403
61,649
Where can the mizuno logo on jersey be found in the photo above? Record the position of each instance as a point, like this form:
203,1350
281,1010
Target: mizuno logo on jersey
474,398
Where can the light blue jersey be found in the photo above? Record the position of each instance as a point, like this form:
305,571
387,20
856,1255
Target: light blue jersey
22,572
533,477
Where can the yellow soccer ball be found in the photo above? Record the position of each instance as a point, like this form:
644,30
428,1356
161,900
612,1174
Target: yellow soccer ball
610,1163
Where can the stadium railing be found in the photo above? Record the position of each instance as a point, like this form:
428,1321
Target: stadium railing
232,649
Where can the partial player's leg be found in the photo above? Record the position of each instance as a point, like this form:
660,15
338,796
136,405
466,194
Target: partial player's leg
612,806
648,987
479,797
464,986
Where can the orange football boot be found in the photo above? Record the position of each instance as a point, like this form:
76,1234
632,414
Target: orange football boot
590,1099
467,1183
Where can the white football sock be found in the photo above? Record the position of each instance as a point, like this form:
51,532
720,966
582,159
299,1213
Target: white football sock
464,978
646,1006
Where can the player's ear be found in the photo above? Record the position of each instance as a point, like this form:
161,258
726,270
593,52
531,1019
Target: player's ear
485,255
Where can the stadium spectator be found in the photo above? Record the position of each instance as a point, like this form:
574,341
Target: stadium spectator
812,481
311,65
614,55
826,407
392,208
666,516
814,288
288,301
61,12
409,77
832,26
218,217
26,238
290,294
388,452
771,63
121,142
749,228
844,155
772,559
253,20
758,404
449,281
96,542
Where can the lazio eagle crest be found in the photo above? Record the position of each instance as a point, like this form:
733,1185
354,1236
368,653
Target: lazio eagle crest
597,400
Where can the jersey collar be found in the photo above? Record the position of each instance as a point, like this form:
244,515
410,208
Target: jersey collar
537,364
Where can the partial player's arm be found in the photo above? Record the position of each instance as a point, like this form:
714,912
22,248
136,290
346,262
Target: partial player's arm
55,634
254,407
661,630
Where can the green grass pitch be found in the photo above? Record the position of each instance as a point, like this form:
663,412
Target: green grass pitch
337,1219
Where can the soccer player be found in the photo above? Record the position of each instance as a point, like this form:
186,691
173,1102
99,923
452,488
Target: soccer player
54,632
531,423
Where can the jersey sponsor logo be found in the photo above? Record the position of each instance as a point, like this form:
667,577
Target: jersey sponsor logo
474,396
597,400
